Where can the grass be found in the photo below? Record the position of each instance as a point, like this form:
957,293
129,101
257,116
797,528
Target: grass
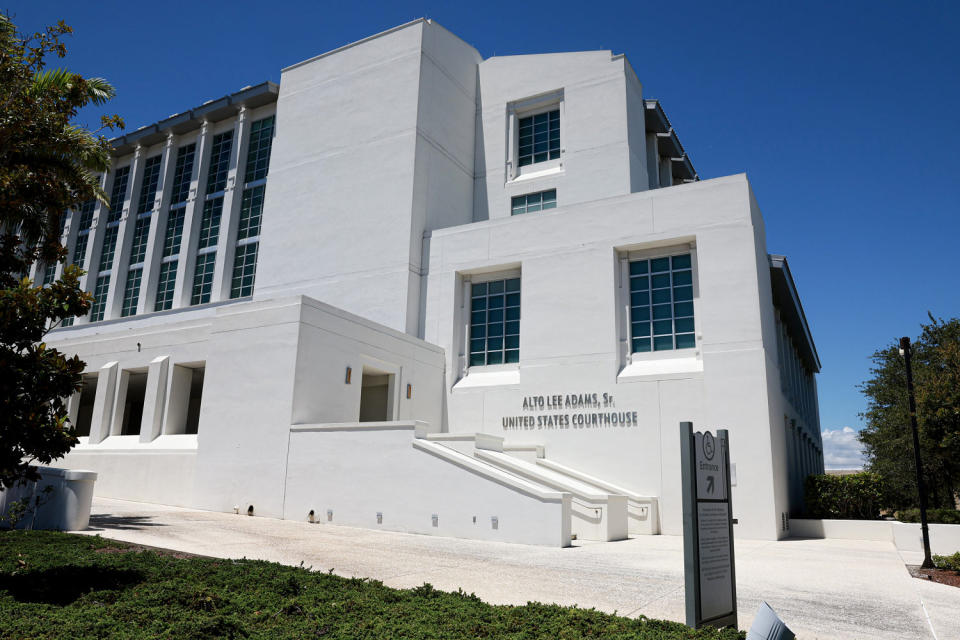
56,585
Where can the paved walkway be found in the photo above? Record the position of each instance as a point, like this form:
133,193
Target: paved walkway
841,589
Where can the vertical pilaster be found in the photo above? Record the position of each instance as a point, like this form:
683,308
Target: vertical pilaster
119,403
154,399
73,408
232,199
158,227
191,223
653,163
100,421
121,257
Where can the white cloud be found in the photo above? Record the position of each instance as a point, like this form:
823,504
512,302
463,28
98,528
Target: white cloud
841,449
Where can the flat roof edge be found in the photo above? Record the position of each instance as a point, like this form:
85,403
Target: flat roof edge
796,317
357,42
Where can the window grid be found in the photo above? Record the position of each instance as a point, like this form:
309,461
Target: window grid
495,322
244,270
182,173
148,188
131,293
118,193
532,202
99,298
49,271
251,213
109,247
258,154
203,278
174,233
219,162
80,249
661,304
165,286
539,137
210,223
141,233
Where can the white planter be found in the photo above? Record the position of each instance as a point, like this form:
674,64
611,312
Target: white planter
66,508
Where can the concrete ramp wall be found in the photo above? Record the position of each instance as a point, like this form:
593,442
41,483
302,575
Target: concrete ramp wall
379,476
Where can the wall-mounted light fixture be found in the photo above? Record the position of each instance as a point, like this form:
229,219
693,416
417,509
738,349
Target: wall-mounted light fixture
409,391
329,515
379,517
346,378
311,517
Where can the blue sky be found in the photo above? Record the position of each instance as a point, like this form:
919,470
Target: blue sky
844,115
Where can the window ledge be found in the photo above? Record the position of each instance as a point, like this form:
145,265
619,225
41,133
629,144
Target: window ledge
502,378
662,369
538,173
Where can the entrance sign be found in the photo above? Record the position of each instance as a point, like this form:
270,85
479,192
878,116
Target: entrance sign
710,578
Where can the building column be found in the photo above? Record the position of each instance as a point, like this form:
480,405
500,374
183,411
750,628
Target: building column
191,222
653,161
154,399
121,257
232,200
103,402
158,228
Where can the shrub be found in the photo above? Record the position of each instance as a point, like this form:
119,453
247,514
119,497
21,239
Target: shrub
858,496
947,562
934,516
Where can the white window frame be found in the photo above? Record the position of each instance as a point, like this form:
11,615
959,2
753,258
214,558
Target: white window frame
463,339
525,108
624,257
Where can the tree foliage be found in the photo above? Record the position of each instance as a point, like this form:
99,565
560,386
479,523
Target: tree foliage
887,436
48,165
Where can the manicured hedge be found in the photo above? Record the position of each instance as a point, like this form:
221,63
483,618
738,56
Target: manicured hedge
55,585
934,516
948,562
858,496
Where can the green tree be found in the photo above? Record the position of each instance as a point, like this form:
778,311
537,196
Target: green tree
887,436
48,165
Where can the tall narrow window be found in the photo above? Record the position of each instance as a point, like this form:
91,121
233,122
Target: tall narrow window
661,304
539,138
83,233
495,322
251,208
179,193
105,268
210,221
141,233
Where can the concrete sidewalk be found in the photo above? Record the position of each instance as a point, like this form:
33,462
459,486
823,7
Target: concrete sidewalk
841,589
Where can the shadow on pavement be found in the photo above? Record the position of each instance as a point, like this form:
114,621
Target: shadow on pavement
102,521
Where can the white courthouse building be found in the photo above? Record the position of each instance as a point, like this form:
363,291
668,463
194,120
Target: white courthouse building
414,289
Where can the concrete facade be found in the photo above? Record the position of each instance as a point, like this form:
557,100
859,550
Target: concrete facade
292,285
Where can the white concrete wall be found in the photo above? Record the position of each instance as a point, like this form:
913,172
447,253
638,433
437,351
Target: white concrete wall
360,470
906,536
570,342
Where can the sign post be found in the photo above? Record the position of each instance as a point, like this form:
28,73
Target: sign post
709,575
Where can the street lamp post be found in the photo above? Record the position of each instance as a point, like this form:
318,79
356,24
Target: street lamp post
905,351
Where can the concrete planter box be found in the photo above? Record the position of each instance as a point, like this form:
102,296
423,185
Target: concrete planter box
66,508
906,536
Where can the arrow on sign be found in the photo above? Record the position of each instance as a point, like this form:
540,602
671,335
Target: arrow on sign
709,484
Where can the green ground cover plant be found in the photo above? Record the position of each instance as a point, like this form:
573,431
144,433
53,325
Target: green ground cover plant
951,563
56,585
934,516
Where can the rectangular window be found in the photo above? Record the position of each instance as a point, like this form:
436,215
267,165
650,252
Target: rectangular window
49,272
99,298
141,233
203,278
165,286
182,173
131,293
539,138
533,202
219,162
244,270
258,155
251,212
174,233
109,247
83,233
148,188
661,304
120,180
495,322
210,223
